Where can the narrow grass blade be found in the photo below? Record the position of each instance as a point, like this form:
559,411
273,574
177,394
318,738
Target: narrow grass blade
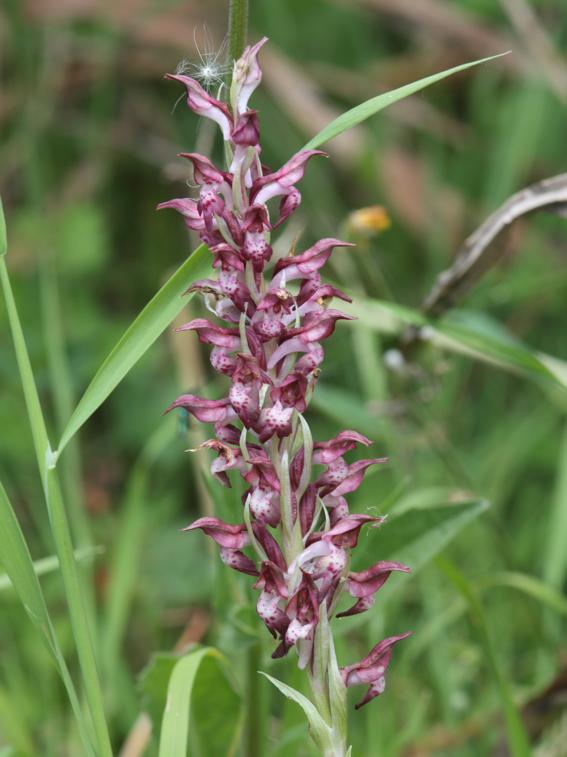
530,586
20,571
184,693
518,741
3,237
466,334
138,338
320,731
126,553
77,610
37,423
555,553
369,108
59,524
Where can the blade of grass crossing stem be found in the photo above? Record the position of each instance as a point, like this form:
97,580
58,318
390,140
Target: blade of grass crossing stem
46,565
137,339
370,107
518,741
20,570
59,524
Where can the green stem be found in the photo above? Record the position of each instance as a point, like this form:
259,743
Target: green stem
237,27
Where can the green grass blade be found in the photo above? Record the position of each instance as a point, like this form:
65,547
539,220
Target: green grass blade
182,695
124,563
77,610
38,429
137,339
530,586
59,523
518,741
319,729
369,108
3,237
20,570
555,553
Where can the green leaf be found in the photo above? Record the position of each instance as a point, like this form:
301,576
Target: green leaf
416,535
17,562
138,338
320,731
193,689
3,237
517,737
370,107
465,333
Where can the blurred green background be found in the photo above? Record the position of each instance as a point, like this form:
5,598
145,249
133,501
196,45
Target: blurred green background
88,139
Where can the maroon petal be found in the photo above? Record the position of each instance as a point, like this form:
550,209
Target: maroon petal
355,475
282,181
272,579
372,669
229,535
275,420
346,532
206,411
203,171
307,508
326,452
210,333
237,560
188,209
309,262
319,326
269,545
246,77
203,104
246,133
288,205
368,581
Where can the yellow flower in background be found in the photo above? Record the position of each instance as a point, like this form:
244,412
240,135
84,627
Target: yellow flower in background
369,221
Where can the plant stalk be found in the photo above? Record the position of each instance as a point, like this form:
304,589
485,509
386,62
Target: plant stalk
237,27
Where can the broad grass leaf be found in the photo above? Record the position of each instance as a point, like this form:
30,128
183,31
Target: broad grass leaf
370,107
137,339
417,535
192,691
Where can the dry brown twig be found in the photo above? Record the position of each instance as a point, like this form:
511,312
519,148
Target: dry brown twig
478,253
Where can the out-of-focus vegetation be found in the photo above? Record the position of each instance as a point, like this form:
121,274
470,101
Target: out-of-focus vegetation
88,137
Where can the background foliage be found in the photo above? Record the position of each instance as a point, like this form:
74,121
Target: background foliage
87,149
